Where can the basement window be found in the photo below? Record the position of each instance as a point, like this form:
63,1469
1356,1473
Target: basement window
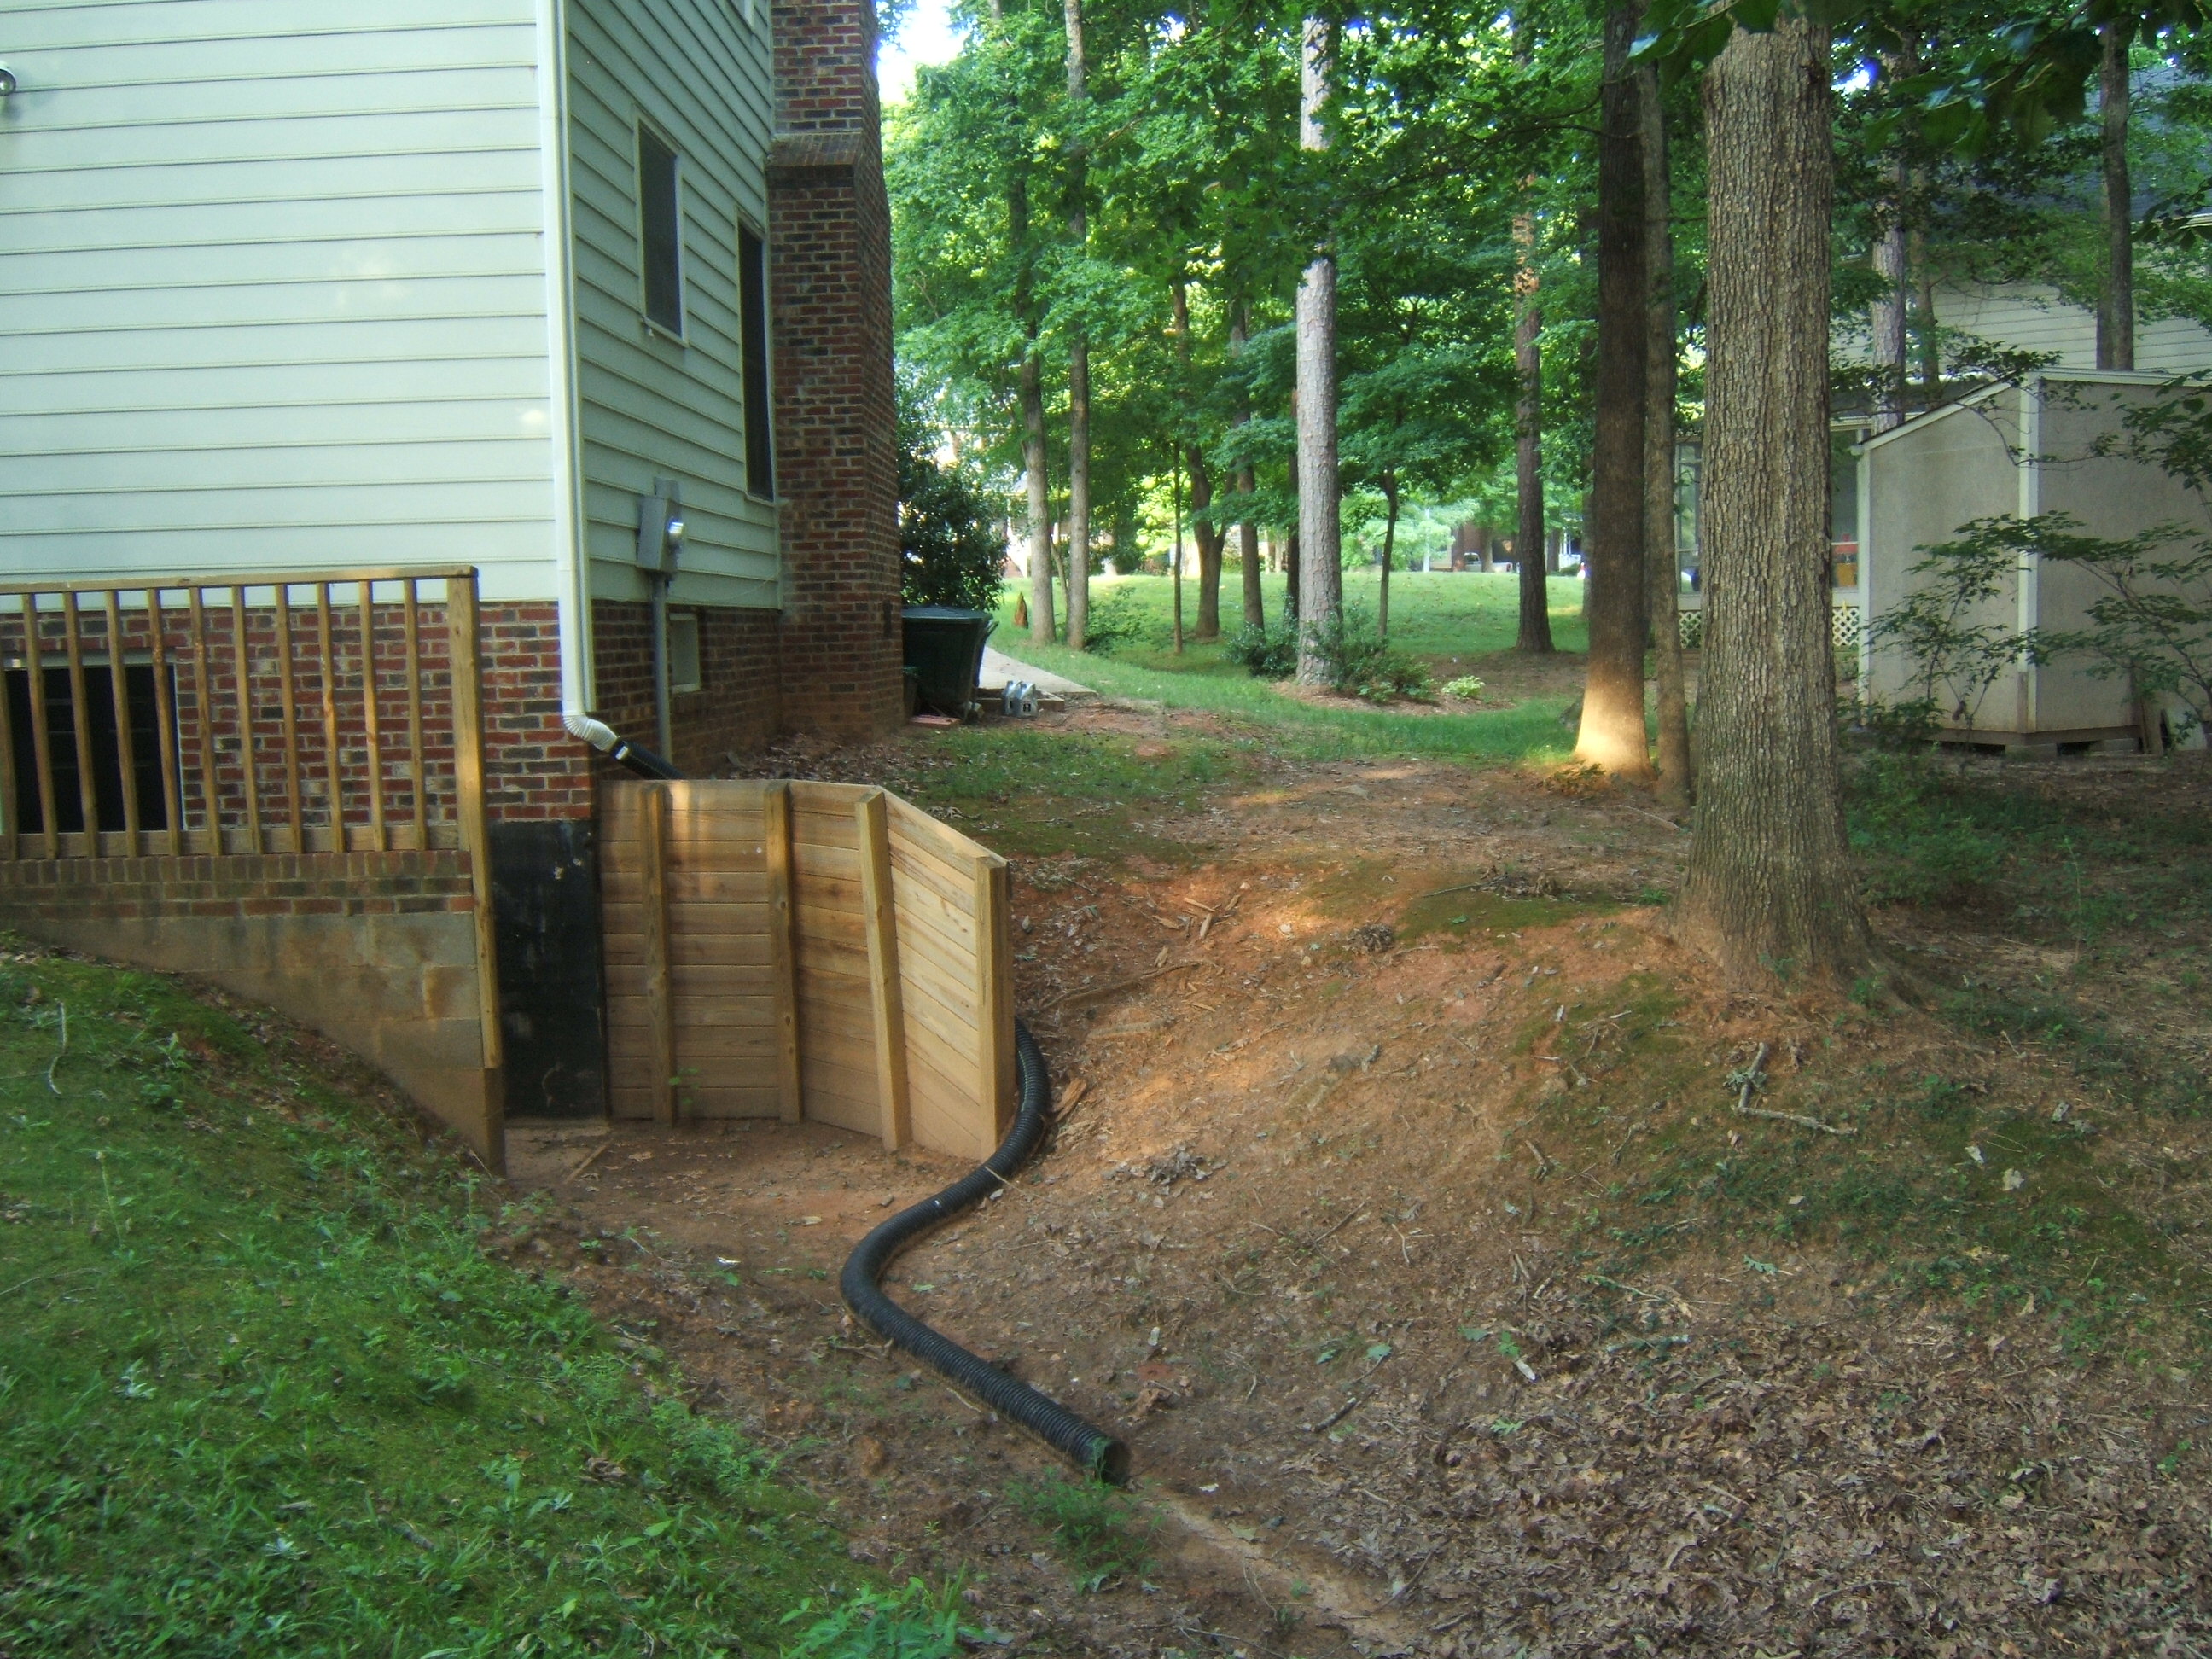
660,230
684,651
25,814
752,298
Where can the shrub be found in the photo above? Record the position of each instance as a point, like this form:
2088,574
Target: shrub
1115,623
1464,686
1264,653
1360,663
951,548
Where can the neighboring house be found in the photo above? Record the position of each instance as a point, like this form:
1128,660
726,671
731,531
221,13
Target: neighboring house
2034,317
425,284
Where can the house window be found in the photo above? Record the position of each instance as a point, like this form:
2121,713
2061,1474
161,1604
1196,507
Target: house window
143,711
752,298
660,229
684,651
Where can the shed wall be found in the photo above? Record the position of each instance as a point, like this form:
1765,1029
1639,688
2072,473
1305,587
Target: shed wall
274,288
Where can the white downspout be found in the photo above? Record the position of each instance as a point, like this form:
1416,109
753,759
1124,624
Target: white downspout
571,594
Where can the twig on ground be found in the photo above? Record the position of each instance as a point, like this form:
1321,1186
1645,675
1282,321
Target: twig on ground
1075,999
589,1159
1338,1414
58,1053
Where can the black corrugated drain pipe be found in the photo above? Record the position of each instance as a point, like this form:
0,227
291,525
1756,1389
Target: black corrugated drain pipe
1091,1448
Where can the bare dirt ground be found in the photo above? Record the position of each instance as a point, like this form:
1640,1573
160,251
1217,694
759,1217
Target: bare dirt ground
1470,1275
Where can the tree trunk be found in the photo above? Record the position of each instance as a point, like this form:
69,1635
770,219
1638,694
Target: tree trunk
1389,551
1321,581
2116,309
1201,491
1887,320
1662,565
1039,500
1291,564
1920,271
1612,734
1771,893
1079,361
1536,634
1174,490
1248,533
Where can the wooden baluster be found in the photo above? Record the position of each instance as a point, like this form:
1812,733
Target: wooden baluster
414,628
288,705
81,720
203,688
11,827
165,722
42,741
336,800
371,719
255,841
126,747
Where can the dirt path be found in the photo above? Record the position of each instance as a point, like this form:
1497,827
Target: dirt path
1342,1229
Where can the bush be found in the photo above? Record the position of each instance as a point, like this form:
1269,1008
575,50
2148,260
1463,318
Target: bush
1360,663
1464,686
951,548
1265,653
1115,622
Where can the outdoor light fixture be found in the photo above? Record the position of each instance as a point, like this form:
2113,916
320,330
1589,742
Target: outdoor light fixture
7,80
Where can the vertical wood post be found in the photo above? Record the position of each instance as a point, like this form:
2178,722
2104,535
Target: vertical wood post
413,613
469,807
81,719
783,967
42,743
659,986
126,758
372,720
11,827
165,721
255,841
879,920
288,708
203,690
327,672
995,980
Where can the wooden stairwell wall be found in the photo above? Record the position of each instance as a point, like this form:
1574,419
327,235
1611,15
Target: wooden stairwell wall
806,951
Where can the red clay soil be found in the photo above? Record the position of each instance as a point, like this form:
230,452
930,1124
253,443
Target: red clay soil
1298,1236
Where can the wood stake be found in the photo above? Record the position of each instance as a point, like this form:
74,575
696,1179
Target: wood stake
879,917
775,835
659,993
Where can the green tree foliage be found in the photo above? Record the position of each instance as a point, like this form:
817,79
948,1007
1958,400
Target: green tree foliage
952,543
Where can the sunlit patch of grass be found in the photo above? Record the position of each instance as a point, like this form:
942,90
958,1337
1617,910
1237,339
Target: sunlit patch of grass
265,1391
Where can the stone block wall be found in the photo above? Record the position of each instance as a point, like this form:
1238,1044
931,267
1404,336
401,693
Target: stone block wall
375,949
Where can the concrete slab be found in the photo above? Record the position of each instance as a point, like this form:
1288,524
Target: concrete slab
999,668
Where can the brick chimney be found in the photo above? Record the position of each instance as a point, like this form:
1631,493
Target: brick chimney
837,420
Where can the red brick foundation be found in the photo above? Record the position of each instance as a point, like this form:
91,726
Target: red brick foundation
737,706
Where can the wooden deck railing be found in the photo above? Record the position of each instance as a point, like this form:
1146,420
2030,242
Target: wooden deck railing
259,714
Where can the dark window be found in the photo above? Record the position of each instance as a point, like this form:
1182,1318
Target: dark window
660,223
107,782
752,283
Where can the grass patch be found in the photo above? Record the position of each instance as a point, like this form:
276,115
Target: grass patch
264,1391
1099,1533
1464,905
1451,619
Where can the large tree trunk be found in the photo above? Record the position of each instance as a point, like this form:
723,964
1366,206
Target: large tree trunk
1079,362
1208,535
1886,317
1612,734
1040,498
1535,633
1389,551
1248,533
2116,309
1320,580
1771,892
1292,564
1662,565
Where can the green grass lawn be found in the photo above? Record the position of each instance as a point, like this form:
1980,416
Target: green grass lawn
262,1390
1439,615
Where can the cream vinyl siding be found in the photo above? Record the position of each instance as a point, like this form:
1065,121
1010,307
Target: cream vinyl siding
700,75
272,284
2026,317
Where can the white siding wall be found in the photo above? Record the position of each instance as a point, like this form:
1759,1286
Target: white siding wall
701,73
2028,317
273,290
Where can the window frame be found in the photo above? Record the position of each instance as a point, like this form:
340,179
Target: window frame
649,132
687,622
756,360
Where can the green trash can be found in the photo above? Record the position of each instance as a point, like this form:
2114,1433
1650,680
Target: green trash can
944,653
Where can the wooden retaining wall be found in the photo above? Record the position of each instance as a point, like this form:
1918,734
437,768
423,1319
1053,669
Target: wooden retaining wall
817,952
